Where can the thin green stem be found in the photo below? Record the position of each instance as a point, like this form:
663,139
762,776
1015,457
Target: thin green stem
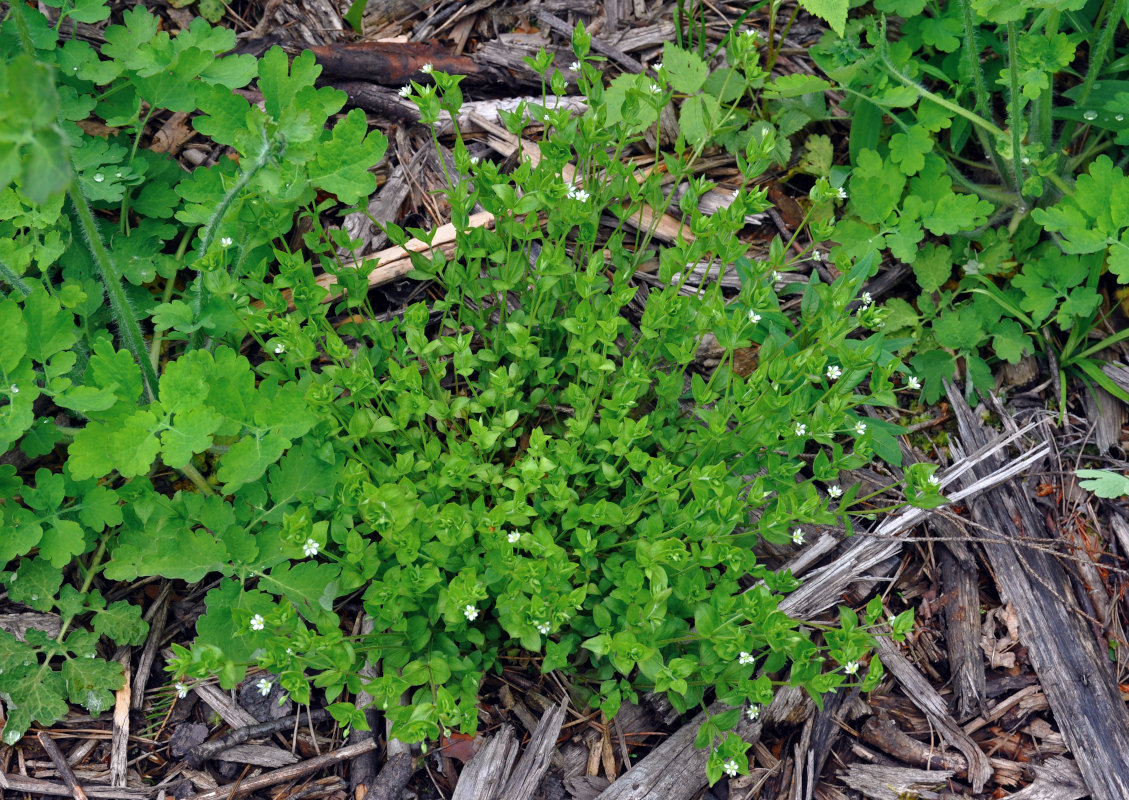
979,88
208,235
1114,13
128,327
1013,105
9,276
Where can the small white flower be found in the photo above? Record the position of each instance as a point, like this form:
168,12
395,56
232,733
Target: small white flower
471,613
834,491
99,177
310,548
852,668
753,712
654,88
745,659
816,255
776,277
405,91
736,193
754,317
834,372
225,241
181,690
860,428
730,767
574,66
258,623
867,300
513,537
426,69
752,34
576,193
890,620
14,388
474,159
914,382
263,686
934,481
797,536
657,66
289,651
842,193
74,69
801,429
279,349
543,628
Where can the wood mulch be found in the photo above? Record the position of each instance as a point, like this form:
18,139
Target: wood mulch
1013,682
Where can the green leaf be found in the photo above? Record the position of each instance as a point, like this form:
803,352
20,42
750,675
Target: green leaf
342,163
128,446
1103,483
908,150
62,542
933,267
685,70
311,586
191,433
795,84
834,12
40,700
36,583
121,622
249,458
91,682
49,328
180,554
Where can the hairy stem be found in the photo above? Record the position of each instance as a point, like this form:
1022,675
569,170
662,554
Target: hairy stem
128,327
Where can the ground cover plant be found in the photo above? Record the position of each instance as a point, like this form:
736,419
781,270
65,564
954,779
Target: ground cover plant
983,146
512,466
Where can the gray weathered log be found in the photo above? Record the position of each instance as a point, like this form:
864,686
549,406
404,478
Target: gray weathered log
1071,664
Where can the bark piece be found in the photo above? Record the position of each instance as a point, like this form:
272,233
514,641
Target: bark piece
881,732
60,762
258,755
1071,664
962,619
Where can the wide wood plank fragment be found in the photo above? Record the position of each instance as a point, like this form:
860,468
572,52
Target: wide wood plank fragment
1071,664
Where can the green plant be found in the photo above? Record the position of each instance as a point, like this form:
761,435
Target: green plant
515,467
990,127
102,241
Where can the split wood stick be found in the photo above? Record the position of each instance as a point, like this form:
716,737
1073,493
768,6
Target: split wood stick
284,774
61,765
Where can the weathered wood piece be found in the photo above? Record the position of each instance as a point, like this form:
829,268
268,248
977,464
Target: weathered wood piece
882,732
676,770
962,618
120,736
485,774
218,747
61,765
25,785
308,767
926,698
895,783
1057,779
1072,666
534,762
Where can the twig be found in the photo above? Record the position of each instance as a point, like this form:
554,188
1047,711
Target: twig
283,774
61,765
205,750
